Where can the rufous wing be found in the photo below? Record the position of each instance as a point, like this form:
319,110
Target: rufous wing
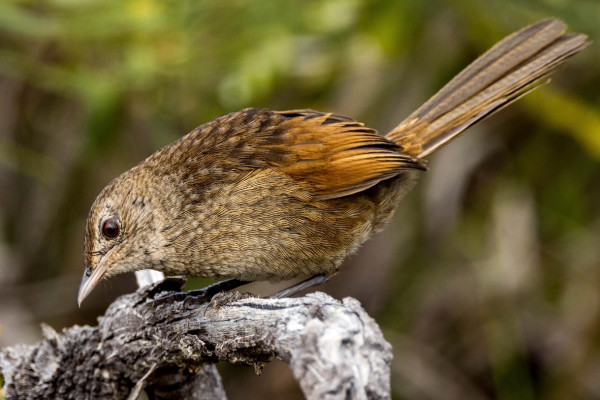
335,156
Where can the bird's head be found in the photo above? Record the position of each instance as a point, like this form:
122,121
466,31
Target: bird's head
121,233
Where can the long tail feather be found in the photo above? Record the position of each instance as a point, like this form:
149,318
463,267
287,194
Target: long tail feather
513,67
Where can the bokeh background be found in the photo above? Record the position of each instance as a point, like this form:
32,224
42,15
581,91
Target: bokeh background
487,283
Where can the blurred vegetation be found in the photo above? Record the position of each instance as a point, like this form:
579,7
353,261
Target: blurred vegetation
488,282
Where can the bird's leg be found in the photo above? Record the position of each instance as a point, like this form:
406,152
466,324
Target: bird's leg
199,296
226,296
217,287
300,286
205,295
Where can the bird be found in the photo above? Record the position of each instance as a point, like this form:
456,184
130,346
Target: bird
271,195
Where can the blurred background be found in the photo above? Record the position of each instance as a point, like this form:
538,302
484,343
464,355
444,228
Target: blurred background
487,283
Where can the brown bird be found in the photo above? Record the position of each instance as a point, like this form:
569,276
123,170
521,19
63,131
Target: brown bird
272,195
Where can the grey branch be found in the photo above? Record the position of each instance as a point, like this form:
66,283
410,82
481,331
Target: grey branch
164,342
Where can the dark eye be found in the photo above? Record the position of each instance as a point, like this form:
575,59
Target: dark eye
110,228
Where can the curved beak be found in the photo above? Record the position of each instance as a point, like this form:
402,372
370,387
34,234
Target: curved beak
89,281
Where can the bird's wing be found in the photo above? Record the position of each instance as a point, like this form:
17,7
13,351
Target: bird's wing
333,155
328,154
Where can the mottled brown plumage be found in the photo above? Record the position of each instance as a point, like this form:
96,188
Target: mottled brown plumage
267,195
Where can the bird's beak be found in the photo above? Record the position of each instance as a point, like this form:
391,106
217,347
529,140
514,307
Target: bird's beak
89,281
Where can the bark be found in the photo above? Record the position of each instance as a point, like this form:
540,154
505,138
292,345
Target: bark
165,342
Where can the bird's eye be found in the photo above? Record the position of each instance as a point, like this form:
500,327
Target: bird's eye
110,228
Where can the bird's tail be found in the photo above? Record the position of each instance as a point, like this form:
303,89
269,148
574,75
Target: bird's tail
513,67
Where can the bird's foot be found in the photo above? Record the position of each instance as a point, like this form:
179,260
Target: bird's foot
300,286
200,296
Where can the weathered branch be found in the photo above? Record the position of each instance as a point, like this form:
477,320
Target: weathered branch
163,341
